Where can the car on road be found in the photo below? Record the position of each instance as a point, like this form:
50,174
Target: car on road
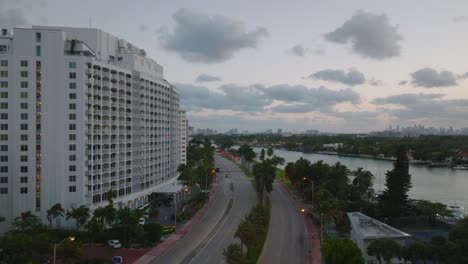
114,243
141,221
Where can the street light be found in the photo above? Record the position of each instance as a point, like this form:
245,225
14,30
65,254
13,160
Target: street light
321,229
312,183
59,243
302,210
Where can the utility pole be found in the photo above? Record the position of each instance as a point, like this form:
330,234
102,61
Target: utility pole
312,183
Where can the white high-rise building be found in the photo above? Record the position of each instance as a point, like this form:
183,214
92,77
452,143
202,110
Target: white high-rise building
82,112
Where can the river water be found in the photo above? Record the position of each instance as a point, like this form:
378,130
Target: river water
435,184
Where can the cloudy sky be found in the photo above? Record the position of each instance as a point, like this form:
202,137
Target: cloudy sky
337,66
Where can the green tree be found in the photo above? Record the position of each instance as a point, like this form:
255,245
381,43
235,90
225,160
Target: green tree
384,249
153,231
246,232
394,200
457,248
2,219
342,251
26,222
69,250
265,172
233,254
94,228
80,215
55,211
248,154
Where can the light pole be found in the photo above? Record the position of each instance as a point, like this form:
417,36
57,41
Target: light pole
175,211
321,229
312,183
59,243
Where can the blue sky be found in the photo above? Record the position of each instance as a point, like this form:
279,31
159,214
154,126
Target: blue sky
338,66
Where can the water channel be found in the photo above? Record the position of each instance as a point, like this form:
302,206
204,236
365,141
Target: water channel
444,185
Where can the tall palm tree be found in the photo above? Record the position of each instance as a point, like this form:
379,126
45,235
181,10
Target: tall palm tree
80,214
55,211
27,221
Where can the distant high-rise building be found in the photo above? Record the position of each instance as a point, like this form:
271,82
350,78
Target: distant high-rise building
83,113
280,131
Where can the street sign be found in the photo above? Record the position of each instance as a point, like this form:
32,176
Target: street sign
117,260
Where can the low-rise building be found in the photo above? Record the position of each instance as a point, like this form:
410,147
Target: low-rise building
365,229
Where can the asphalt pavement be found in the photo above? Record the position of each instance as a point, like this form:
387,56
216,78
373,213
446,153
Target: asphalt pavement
240,191
205,242
288,241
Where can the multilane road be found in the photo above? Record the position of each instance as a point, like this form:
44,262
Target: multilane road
205,242
288,241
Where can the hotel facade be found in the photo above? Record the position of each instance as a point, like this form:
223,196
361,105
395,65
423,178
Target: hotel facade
82,113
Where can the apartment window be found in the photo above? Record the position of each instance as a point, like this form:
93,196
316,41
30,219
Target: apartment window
24,137
4,116
24,158
24,105
24,126
72,75
3,169
72,137
3,105
38,36
24,169
24,95
3,147
4,63
24,116
24,63
4,84
72,178
72,116
24,190
72,147
72,85
4,158
72,65
72,96
4,95
3,190
38,51
3,48
24,179
72,127
24,148
72,168
24,84
3,126
24,74
3,179
72,188
4,74
72,106
72,157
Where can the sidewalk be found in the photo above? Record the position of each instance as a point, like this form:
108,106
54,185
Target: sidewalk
312,229
154,253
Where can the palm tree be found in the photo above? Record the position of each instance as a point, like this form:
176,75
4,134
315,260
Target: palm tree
246,233
80,214
93,227
233,254
55,211
265,172
385,249
27,221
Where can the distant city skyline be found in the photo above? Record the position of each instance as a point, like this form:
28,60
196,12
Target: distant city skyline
321,66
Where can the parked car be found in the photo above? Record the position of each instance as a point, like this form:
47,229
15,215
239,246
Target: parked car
114,243
141,221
